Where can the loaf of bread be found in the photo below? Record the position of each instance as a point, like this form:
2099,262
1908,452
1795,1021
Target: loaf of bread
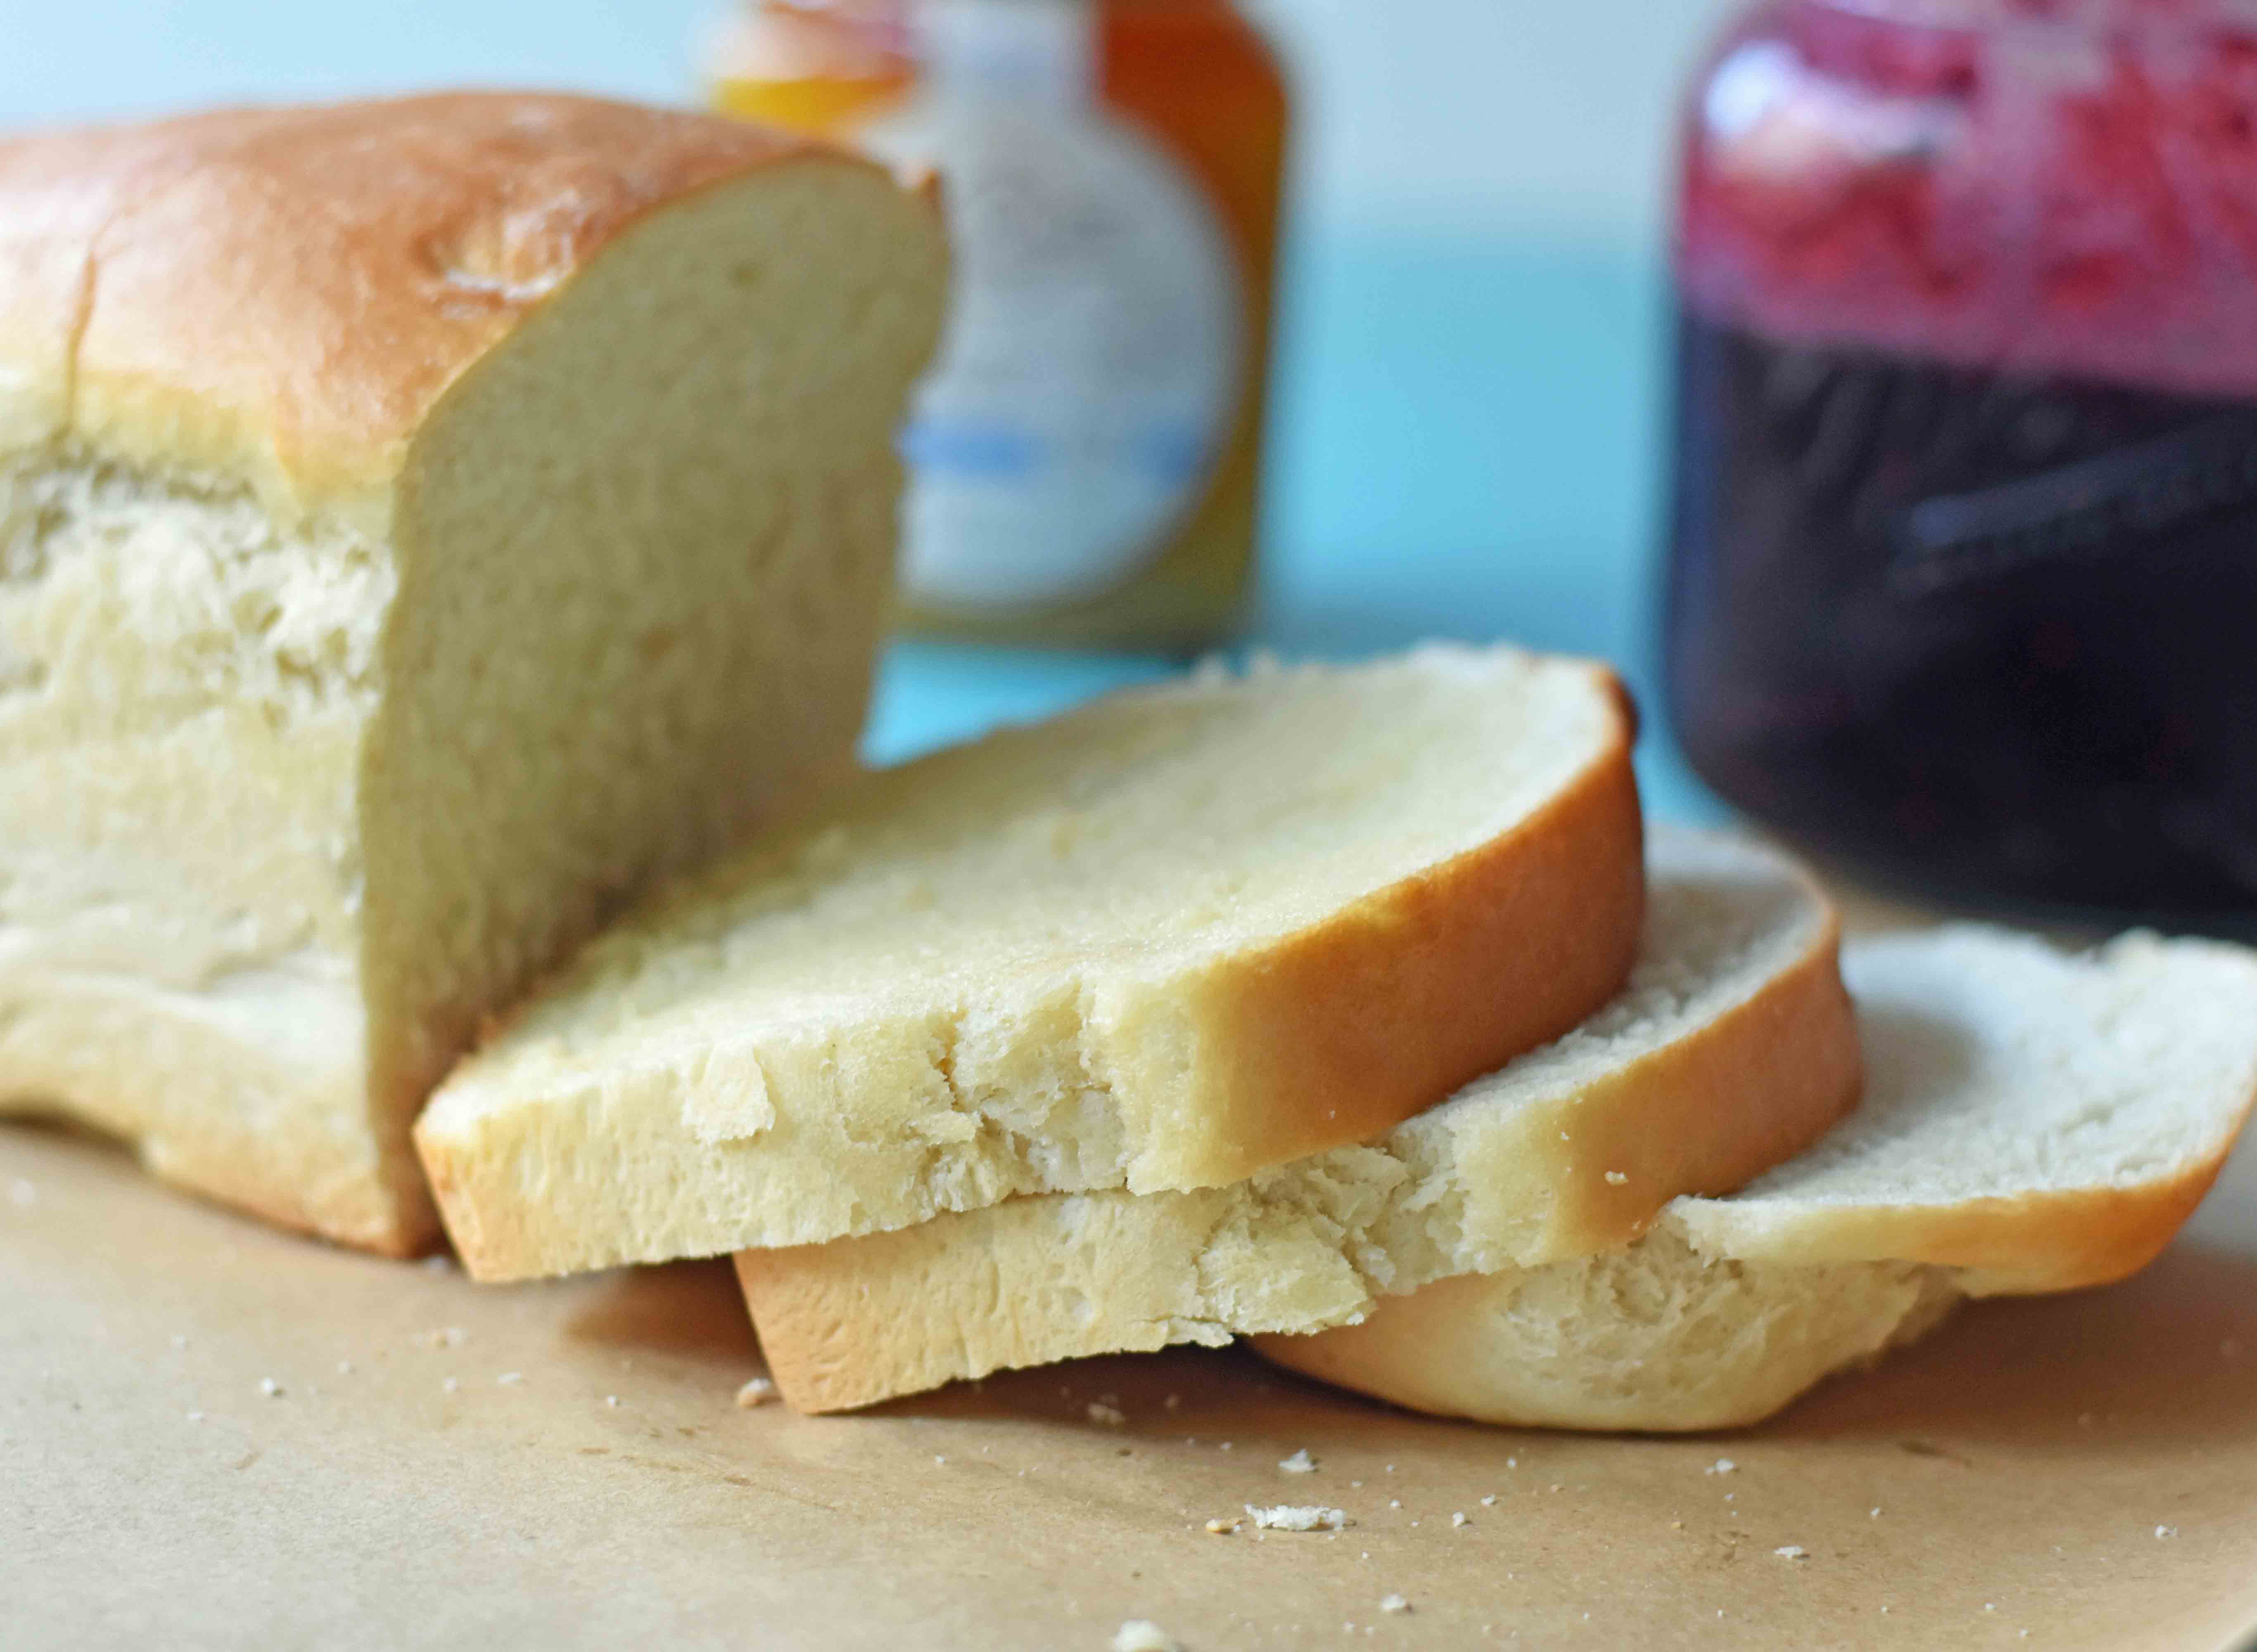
1732,1048
422,523
2033,1123
1161,943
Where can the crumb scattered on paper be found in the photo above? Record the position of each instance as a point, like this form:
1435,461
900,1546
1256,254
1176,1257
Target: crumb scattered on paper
2163,1532
1722,1465
1111,1416
1459,1518
1222,1528
1393,1602
272,1390
1299,1462
1141,1634
759,1391
1616,1179
1288,1517
450,1386
1792,1551
510,1379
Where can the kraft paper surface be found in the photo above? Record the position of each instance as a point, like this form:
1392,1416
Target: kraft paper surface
216,1435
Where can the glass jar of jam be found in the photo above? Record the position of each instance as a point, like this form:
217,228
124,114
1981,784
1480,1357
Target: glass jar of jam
1086,458
1963,573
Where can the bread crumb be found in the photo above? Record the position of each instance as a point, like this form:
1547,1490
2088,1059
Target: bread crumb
1875,1514
344,1368
1220,1527
939,1462
1225,1445
1111,1416
450,1386
272,1390
1722,1465
1394,1502
1792,1551
1299,1462
1459,1520
757,1391
1141,1634
1490,1502
1616,1179
610,1399
1512,1462
1990,1606
510,1379
1287,1517
1393,1602
2163,1532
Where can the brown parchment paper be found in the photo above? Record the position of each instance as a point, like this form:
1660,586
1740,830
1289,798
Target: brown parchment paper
562,1465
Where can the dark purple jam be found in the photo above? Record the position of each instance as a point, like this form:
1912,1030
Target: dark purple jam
1990,636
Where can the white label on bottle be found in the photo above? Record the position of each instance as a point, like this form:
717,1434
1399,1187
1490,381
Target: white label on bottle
1093,365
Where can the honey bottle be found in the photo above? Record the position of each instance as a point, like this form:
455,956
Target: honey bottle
1086,458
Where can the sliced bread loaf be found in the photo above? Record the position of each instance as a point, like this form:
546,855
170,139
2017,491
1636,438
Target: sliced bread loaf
1732,1047
422,523
1161,943
2033,1121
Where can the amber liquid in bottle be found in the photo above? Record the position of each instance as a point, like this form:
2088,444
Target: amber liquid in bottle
1155,547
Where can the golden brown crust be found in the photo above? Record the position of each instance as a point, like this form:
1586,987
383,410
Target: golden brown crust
1352,1026
2025,1244
285,294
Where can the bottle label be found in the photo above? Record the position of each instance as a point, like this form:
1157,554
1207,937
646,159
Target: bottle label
1094,364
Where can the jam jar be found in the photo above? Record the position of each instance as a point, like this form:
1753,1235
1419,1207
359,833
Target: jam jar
1962,586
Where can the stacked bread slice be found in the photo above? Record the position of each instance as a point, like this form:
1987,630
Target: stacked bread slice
1302,1006
1160,944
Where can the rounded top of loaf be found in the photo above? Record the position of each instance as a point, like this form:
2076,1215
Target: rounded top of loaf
284,294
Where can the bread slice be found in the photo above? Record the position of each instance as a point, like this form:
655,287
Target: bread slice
422,523
1732,1047
1160,943
2033,1123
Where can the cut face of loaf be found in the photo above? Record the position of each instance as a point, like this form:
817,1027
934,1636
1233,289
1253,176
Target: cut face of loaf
2033,1123
1161,943
1732,1047
421,524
